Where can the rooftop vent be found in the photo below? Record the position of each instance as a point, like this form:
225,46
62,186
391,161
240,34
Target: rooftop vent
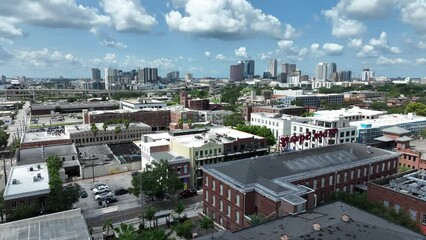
35,179
38,166
351,151
39,175
31,169
15,181
316,226
369,149
346,218
284,237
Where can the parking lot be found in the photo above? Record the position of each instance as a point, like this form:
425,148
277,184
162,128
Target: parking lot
113,182
55,120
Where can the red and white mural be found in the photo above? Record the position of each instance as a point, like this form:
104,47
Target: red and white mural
286,142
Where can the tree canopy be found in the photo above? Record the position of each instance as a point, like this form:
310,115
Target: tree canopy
157,179
231,93
233,119
415,107
259,131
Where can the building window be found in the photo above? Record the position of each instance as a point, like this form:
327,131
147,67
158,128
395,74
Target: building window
353,133
352,174
344,188
207,196
213,200
178,170
358,173
365,172
185,169
345,176
315,184
424,219
228,213
386,203
377,168
229,194
221,205
213,185
221,189
383,167
196,153
237,217
322,182
338,178
330,180
237,200
413,214
389,165
342,134
397,207
207,181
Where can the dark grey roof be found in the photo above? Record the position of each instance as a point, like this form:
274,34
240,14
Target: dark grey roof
29,156
384,139
69,225
126,152
361,226
162,155
290,166
60,150
99,153
74,105
40,154
396,130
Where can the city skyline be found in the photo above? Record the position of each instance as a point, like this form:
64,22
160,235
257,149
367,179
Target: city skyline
69,37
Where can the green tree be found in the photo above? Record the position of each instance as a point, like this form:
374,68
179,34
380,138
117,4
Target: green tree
94,129
179,208
157,179
126,123
402,169
22,212
259,131
150,215
231,93
58,109
379,106
256,219
3,138
298,102
154,234
184,229
117,129
126,232
207,223
180,122
107,227
418,108
105,126
233,120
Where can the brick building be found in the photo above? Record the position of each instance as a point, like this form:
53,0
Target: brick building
184,114
402,192
291,110
199,104
158,119
278,185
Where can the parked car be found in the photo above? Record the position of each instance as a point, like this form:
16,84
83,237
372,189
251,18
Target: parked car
121,191
97,185
83,193
103,195
108,199
188,193
99,188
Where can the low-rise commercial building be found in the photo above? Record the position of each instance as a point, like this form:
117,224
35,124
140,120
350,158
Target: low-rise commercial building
352,114
27,185
405,192
214,117
288,110
83,135
291,183
73,107
279,124
158,119
370,129
140,103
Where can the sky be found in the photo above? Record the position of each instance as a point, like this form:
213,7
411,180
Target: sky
52,38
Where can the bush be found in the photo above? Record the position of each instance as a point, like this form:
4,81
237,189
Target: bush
184,229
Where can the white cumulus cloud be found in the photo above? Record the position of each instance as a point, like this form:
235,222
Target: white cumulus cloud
370,9
128,15
46,58
207,53
414,14
391,61
226,19
332,48
221,57
343,27
355,43
377,46
241,52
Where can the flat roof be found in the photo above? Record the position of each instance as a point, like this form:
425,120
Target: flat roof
43,136
387,120
396,130
98,153
144,101
39,154
126,152
24,184
220,134
110,127
117,111
354,111
276,116
278,108
67,225
362,225
68,105
282,169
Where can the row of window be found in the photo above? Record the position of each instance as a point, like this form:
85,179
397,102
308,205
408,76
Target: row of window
265,122
221,191
228,213
105,138
202,153
412,212
352,175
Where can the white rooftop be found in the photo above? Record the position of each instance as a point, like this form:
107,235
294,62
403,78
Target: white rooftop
354,111
158,136
110,127
389,120
98,112
141,101
24,184
275,116
42,136
227,135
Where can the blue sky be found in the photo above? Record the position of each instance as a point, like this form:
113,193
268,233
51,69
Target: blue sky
51,38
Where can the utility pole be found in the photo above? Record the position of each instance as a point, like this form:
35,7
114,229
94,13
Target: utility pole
4,170
93,171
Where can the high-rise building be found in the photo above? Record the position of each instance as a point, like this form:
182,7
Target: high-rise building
173,76
249,69
272,68
148,75
331,69
291,70
367,75
284,68
188,77
236,72
344,76
96,74
321,71
111,77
